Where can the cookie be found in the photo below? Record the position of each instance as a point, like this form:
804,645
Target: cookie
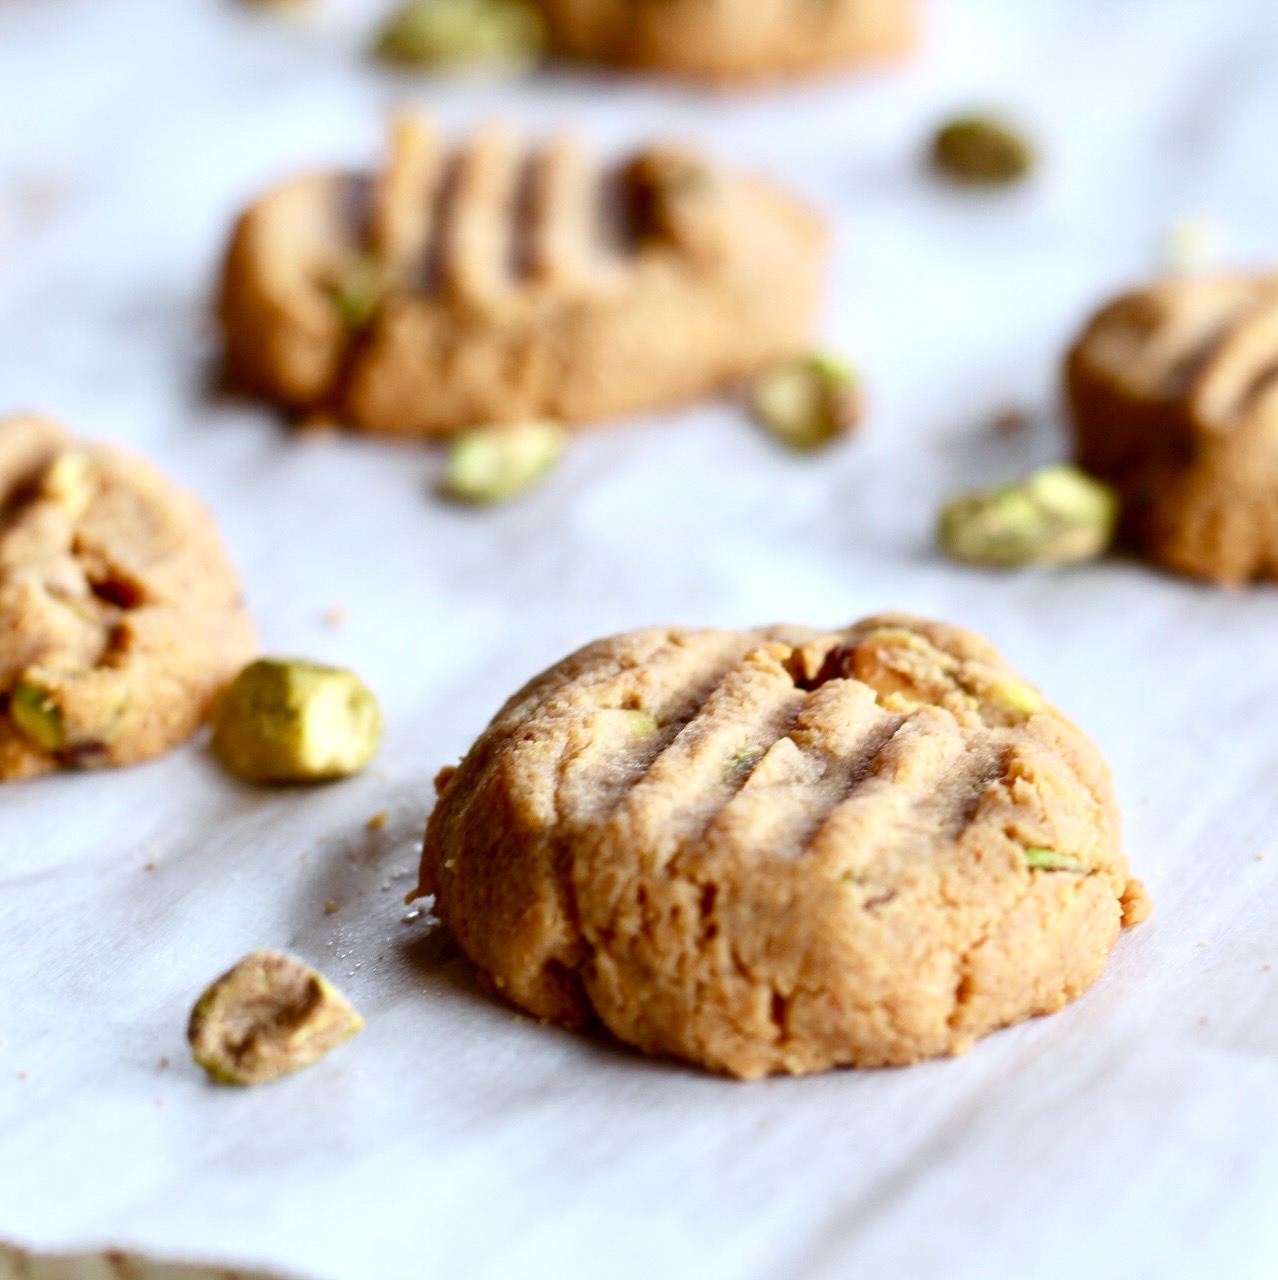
783,850
1173,392
732,40
120,615
498,283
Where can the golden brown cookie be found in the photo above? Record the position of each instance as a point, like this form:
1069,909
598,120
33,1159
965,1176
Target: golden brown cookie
732,40
783,850
1174,396
120,615
497,283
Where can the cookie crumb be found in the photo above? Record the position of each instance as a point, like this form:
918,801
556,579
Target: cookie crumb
378,820
317,426
333,616
331,908
1010,422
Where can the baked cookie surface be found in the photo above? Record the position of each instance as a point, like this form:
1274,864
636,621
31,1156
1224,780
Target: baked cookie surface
731,40
1173,391
783,850
496,283
120,615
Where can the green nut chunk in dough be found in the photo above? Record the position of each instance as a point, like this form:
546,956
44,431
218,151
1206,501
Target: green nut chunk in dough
267,1017
286,720
494,464
1018,697
641,722
358,293
453,33
1057,515
37,715
807,403
70,481
980,151
1050,860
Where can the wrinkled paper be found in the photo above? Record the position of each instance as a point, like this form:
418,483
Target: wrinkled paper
1133,1134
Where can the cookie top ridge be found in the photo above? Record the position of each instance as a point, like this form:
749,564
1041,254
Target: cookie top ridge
783,850
120,615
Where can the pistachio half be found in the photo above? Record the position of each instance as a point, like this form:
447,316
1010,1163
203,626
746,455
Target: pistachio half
494,464
808,402
287,720
1057,515
981,151
267,1017
440,33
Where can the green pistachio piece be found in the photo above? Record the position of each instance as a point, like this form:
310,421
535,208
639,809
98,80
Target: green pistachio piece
1050,860
493,464
286,720
1057,515
808,402
360,290
267,1017
1018,697
70,481
442,33
981,151
37,715
641,722
744,760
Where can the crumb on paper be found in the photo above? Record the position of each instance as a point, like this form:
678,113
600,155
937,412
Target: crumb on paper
333,616
317,427
1010,421
331,907
378,820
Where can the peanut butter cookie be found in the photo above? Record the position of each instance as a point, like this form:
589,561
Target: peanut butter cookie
120,616
497,284
783,850
1174,396
732,40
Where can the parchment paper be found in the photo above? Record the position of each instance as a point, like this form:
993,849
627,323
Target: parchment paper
1135,1134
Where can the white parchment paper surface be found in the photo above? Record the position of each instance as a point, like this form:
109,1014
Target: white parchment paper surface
1135,1134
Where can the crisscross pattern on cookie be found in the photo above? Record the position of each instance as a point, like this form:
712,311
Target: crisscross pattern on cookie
722,843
